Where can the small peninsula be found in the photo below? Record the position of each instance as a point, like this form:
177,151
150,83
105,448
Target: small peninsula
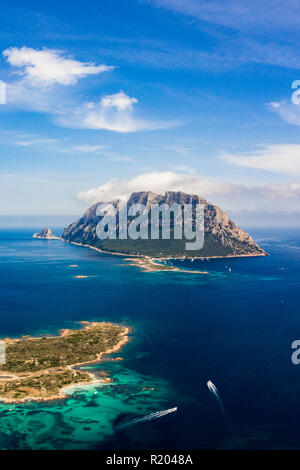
42,368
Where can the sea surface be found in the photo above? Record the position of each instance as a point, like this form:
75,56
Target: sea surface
233,326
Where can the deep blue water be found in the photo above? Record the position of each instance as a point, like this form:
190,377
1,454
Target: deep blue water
234,328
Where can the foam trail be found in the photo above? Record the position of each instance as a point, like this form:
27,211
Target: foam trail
213,389
157,414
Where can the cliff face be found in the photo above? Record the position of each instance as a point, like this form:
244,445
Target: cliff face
222,236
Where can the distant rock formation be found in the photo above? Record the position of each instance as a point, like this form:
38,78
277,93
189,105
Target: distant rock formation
222,236
45,233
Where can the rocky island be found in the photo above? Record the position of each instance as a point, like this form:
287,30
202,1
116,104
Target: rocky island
42,368
46,234
222,237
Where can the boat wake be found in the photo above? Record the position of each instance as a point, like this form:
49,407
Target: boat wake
213,389
157,414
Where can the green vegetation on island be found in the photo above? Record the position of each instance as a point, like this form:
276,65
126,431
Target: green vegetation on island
40,368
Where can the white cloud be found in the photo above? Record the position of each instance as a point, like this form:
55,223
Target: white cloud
28,143
24,95
184,168
62,146
182,150
41,89
157,182
261,29
288,111
274,104
96,149
120,101
280,158
113,113
285,191
266,16
50,66
86,148
234,197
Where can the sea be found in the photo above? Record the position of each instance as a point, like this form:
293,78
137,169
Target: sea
233,327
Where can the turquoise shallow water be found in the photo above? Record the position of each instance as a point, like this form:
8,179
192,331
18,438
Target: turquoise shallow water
88,416
232,327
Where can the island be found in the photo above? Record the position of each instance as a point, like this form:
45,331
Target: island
42,368
46,234
222,237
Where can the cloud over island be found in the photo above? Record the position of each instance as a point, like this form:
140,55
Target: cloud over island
230,196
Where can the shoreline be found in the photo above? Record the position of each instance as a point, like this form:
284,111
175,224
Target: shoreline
94,380
151,264
163,258
150,257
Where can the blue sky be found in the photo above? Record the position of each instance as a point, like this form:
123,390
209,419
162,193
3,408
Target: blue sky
111,96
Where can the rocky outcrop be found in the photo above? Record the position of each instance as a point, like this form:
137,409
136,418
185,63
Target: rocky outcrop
45,233
222,237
